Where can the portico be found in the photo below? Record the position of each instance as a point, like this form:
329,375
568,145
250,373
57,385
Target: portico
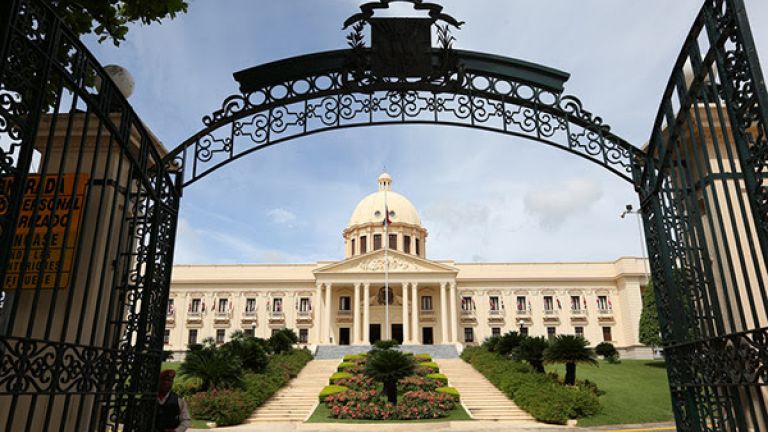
352,299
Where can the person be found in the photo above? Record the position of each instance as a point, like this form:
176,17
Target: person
172,413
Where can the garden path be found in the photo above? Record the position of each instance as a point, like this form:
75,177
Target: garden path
296,401
481,398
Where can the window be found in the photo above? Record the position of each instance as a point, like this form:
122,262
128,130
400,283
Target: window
220,336
363,245
407,244
303,336
549,304
192,339
353,247
524,331
551,333
467,304
305,305
607,334
494,303
170,307
603,303
418,250
345,304
277,305
250,332
469,334
376,241
495,331
579,331
222,305
250,306
575,303
521,303
426,303
275,330
393,241
194,307
167,337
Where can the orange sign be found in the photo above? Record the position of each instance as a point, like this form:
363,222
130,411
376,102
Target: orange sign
46,232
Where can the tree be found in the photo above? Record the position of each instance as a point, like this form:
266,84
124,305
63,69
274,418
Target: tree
570,350
608,351
508,342
110,19
282,341
531,350
649,319
388,366
215,367
250,350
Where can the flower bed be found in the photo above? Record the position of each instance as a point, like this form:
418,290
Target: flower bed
358,397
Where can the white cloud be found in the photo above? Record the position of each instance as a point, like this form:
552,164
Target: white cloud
552,205
281,216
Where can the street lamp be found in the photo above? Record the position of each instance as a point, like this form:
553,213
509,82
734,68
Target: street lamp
521,323
629,210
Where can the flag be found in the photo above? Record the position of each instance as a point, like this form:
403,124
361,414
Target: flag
203,305
585,303
530,308
559,306
610,305
386,220
189,309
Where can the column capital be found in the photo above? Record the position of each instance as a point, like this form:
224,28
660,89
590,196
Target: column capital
414,284
319,285
366,285
452,284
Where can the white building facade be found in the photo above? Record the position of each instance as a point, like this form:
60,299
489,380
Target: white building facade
430,302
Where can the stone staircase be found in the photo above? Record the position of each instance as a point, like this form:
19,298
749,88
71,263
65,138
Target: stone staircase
339,351
296,401
481,398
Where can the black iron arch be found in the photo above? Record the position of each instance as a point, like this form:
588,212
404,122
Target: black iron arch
304,95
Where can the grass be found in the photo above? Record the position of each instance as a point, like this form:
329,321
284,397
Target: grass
199,424
323,415
636,391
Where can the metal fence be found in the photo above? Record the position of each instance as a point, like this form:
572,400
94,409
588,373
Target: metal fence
87,226
704,203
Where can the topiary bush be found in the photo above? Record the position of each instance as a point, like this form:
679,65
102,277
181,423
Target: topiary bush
441,378
431,365
337,376
422,357
354,358
450,391
331,390
344,365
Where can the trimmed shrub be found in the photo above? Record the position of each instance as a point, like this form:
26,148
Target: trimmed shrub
337,376
357,382
450,391
225,407
441,378
431,365
331,390
386,344
354,358
344,365
607,351
422,357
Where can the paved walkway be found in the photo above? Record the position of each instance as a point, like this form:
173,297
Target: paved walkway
458,426
483,400
296,401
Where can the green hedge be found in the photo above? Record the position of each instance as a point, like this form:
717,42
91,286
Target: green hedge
538,394
432,365
451,391
344,365
337,376
331,390
423,357
353,357
440,377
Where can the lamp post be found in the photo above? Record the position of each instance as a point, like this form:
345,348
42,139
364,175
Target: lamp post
629,210
521,323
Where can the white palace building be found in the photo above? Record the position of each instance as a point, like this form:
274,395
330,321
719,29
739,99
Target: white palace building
431,302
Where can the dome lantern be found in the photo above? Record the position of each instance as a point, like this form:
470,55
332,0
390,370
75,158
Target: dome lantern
385,182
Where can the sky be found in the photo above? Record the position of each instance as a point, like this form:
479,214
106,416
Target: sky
482,196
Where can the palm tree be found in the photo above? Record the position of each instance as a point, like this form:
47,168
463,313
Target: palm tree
215,367
570,350
388,367
531,350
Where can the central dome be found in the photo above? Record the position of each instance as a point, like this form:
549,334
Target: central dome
371,208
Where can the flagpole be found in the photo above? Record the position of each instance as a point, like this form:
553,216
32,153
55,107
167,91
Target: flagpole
386,262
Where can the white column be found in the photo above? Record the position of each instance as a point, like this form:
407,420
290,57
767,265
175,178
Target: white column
445,337
415,333
356,315
454,314
328,306
366,313
406,333
317,308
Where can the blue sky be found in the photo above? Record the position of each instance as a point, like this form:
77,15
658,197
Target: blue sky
482,196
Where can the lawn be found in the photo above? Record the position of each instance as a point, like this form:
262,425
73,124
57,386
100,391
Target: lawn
636,391
323,415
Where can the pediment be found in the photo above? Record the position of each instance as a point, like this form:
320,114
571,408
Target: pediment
398,262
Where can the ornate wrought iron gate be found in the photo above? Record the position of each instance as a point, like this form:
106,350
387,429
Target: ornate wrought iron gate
88,205
705,207
88,219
